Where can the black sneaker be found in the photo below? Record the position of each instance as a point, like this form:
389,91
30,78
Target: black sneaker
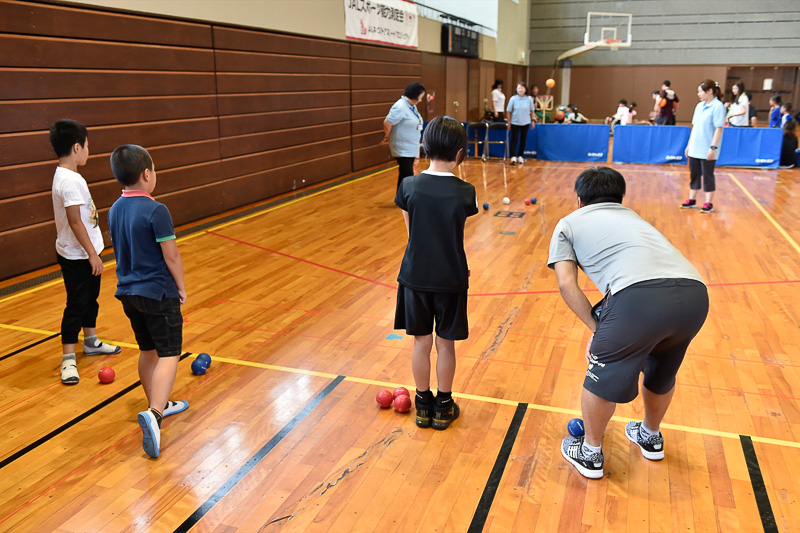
590,466
424,414
707,208
652,447
443,415
689,204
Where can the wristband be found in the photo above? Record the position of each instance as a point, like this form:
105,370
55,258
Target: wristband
714,147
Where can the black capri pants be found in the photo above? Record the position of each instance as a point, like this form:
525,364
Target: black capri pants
405,168
82,291
647,328
521,133
702,168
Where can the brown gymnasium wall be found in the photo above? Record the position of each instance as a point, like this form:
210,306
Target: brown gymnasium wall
231,116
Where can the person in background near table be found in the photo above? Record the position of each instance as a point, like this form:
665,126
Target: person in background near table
668,105
738,109
775,111
786,113
521,110
498,101
704,143
403,128
789,146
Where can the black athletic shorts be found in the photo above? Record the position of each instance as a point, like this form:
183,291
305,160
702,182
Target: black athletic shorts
157,324
646,327
417,310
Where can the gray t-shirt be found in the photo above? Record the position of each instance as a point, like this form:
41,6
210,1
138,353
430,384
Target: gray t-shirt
616,248
406,129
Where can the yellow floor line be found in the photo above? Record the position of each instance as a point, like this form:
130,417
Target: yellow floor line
766,214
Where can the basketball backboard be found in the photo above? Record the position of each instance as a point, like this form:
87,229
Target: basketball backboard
610,30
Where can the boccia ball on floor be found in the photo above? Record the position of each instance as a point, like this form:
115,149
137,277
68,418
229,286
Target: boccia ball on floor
384,399
198,368
106,374
402,404
575,427
506,200
486,207
533,201
205,358
401,391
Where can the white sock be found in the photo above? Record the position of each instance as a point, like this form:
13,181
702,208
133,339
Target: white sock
91,341
646,432
588,449
68,357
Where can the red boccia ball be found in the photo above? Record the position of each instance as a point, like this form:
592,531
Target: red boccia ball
401,391
384,399
402,404
106,374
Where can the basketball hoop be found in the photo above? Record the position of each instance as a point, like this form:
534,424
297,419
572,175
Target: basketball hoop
613,44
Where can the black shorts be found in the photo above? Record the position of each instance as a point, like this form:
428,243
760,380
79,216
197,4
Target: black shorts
646,327
157,324
417,310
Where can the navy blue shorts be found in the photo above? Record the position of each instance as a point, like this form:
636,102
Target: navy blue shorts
417,311
645,328
157,324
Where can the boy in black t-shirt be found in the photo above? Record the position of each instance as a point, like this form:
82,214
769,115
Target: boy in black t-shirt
433,276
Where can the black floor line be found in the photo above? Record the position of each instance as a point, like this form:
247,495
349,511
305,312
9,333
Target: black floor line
253,461
32,446
31,345
33,282
489,491
759,488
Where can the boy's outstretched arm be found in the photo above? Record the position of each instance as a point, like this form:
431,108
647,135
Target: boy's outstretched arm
77,227
405,219
567,276
175,265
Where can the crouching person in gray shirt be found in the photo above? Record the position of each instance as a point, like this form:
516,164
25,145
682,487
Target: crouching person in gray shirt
654,304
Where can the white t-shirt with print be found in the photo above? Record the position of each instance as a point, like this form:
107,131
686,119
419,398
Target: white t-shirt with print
69,188
739,105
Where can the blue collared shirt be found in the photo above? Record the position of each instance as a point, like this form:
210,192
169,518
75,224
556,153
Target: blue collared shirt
406,127
706,119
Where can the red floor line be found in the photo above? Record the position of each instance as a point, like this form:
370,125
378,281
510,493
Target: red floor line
302,260
102,361
71,474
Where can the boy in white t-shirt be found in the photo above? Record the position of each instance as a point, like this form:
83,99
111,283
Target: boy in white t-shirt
79,242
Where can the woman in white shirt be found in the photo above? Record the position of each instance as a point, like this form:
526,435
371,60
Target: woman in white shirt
498,101
738,110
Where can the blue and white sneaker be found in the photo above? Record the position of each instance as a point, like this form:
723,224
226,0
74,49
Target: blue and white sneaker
151,433
590,466
652,447
173,408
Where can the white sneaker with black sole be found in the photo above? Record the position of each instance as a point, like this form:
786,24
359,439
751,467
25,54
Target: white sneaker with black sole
652,447
590,466
69,372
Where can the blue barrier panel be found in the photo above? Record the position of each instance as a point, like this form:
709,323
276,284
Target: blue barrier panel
655,145
751,147
572,142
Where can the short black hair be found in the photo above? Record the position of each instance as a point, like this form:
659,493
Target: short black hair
443,139
777,99
128,162
623,101
667,83
414,90
66,133
600,184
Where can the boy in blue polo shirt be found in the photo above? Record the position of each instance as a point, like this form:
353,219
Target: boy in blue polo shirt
150,285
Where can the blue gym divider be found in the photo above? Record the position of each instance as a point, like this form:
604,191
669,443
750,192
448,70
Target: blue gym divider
655,145
751,147
572,142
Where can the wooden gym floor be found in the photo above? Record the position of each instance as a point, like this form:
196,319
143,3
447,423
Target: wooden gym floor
295,304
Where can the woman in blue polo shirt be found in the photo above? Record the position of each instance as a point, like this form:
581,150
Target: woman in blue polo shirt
704,142
522,114
403,127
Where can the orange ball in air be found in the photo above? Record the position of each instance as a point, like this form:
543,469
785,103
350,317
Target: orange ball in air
550,82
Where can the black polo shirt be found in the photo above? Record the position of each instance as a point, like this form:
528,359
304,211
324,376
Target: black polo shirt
438,205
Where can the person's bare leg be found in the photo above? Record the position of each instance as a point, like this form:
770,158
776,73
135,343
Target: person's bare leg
655,407
421,361
445,364
596,414
162,380
709,199
147,365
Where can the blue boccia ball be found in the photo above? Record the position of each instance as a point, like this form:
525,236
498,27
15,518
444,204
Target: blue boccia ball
575,427
533,200
205,358
486,206
198,367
